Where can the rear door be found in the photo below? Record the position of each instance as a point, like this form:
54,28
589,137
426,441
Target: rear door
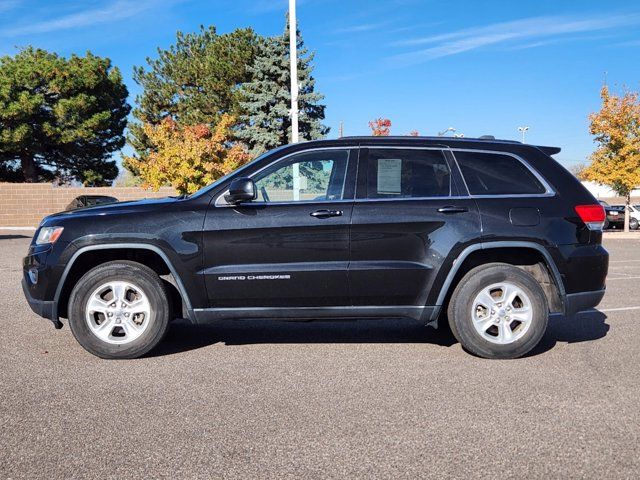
290,247
410,213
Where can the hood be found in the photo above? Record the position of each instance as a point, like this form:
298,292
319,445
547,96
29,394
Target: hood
114,208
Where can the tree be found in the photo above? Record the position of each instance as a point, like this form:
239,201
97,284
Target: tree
189,157
616,161
578,170
60,117
380,127
194,81
266,98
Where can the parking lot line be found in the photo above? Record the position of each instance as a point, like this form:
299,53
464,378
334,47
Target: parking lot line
619,309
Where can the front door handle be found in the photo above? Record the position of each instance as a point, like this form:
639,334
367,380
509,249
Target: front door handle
326,213
453,209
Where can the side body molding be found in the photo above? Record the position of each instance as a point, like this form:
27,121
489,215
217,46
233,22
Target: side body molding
500,244
110,246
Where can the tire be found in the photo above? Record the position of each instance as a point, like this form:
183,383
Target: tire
633,224
468,315
606,224
133,327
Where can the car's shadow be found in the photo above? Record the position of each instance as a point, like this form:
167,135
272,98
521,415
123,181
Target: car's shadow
12,236
183,336
584,327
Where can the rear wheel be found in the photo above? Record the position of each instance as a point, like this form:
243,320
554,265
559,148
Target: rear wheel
119,310
498,311
633,223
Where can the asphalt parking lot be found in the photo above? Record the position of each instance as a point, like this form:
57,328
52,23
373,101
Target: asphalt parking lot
388,399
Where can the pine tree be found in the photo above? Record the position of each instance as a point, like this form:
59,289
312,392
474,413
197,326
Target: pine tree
60,117
195,81
267,98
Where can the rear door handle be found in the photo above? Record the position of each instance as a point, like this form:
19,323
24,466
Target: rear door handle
326,213
452,209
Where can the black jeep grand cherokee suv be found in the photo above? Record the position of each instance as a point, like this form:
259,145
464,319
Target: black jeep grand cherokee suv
492,235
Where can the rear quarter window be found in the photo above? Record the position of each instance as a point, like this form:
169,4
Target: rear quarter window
497,174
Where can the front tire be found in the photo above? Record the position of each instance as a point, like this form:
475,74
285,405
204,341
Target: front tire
498,311
633,224
119,310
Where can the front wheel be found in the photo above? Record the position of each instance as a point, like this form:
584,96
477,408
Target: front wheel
498,311
119,309
633,223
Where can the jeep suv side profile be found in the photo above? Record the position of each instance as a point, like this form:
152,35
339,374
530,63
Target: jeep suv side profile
492,236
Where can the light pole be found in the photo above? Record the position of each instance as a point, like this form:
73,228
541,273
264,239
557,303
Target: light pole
444,132
523,130
293,58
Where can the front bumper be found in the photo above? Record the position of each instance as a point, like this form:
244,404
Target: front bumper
579,302
46,309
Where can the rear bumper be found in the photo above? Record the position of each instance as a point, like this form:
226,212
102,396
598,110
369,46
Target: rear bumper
579,302
46,309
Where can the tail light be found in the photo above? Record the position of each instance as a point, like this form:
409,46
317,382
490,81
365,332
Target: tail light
593,216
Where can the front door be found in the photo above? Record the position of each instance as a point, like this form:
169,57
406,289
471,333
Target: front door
410,213
289,247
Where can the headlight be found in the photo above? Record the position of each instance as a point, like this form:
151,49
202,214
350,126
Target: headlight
49,235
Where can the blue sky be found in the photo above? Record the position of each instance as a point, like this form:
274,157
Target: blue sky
483,67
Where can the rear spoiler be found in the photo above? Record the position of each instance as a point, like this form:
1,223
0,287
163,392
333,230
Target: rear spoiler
549,150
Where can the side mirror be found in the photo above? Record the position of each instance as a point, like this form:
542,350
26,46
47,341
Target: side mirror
241,190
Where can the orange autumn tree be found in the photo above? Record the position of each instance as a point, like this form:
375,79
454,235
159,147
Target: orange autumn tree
380,127
189,157
616,161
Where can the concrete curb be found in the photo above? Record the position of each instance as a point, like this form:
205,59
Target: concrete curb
621,235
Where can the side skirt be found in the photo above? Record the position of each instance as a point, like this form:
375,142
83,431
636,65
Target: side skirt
426,314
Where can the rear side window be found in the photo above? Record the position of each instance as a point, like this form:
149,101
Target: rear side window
497,174
410,173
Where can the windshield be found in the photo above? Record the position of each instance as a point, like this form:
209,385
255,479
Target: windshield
213,185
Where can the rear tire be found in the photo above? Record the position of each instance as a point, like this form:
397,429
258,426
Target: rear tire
119,310
498,311
633,224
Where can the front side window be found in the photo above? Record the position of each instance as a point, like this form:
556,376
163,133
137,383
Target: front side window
310,176
407,173
497,174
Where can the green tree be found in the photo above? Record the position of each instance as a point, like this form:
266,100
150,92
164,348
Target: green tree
266,99
194,82
60,117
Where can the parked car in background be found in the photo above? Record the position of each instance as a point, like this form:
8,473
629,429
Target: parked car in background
90,201
491,236
615,215
634,216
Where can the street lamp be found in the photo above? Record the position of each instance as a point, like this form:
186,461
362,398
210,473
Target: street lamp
444,132
523,130
293,65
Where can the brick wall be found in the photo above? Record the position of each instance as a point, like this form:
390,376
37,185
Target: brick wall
24,204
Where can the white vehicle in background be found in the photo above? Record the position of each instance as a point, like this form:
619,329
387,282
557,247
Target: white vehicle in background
634,215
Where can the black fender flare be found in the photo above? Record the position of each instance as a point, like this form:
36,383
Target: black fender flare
111,246
501,244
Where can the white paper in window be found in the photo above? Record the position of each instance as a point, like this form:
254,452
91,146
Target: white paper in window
390,175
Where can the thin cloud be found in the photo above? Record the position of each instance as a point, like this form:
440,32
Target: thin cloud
630,43
6,5
363,27
117,10
540,28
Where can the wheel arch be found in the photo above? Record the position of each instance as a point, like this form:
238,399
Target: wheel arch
87,257
503,251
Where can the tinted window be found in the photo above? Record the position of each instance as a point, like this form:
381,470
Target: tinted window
397,173
496,174
320,176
